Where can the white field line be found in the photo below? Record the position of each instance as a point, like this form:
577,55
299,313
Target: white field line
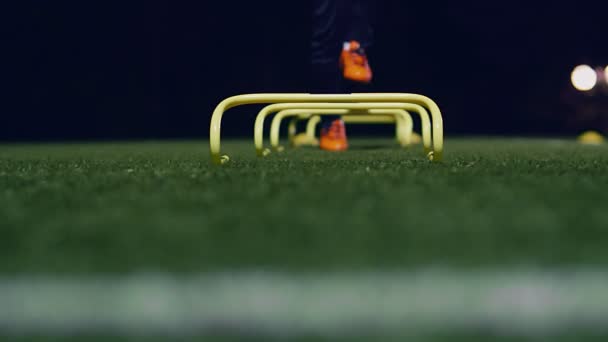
333,304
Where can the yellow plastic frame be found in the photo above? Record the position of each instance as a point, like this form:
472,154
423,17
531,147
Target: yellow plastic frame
313,121
311,126
233,101
401,118
403,134
259,120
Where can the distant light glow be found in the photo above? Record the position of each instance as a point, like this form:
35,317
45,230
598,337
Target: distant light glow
606,74
583,78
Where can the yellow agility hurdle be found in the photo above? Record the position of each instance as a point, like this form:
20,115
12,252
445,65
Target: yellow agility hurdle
404,98
259,120
309,137
403,133
404,123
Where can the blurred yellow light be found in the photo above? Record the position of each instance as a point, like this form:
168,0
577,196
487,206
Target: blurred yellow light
606,74
583,78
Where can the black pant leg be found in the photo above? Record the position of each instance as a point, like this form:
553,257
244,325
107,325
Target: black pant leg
328,28
333,23
360,22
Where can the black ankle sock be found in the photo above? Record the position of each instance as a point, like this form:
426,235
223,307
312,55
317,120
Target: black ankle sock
326,120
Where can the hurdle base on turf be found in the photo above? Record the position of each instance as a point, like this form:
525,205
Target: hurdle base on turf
302,139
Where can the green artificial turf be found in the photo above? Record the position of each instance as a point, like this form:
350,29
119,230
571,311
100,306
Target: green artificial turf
99,208
120,207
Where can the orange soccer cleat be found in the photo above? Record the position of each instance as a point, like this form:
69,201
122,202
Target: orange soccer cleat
333,138
354,64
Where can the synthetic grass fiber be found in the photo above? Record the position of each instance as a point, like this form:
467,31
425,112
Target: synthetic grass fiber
162,206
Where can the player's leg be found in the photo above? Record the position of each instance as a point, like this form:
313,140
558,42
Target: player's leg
329,24
358,37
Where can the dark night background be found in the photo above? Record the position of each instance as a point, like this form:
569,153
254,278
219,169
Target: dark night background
156,69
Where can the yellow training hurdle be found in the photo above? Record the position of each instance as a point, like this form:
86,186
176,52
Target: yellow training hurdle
401,118
309,137
378,98
259,120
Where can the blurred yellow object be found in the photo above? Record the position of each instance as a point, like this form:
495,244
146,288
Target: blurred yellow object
591,138
303,139
416,138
